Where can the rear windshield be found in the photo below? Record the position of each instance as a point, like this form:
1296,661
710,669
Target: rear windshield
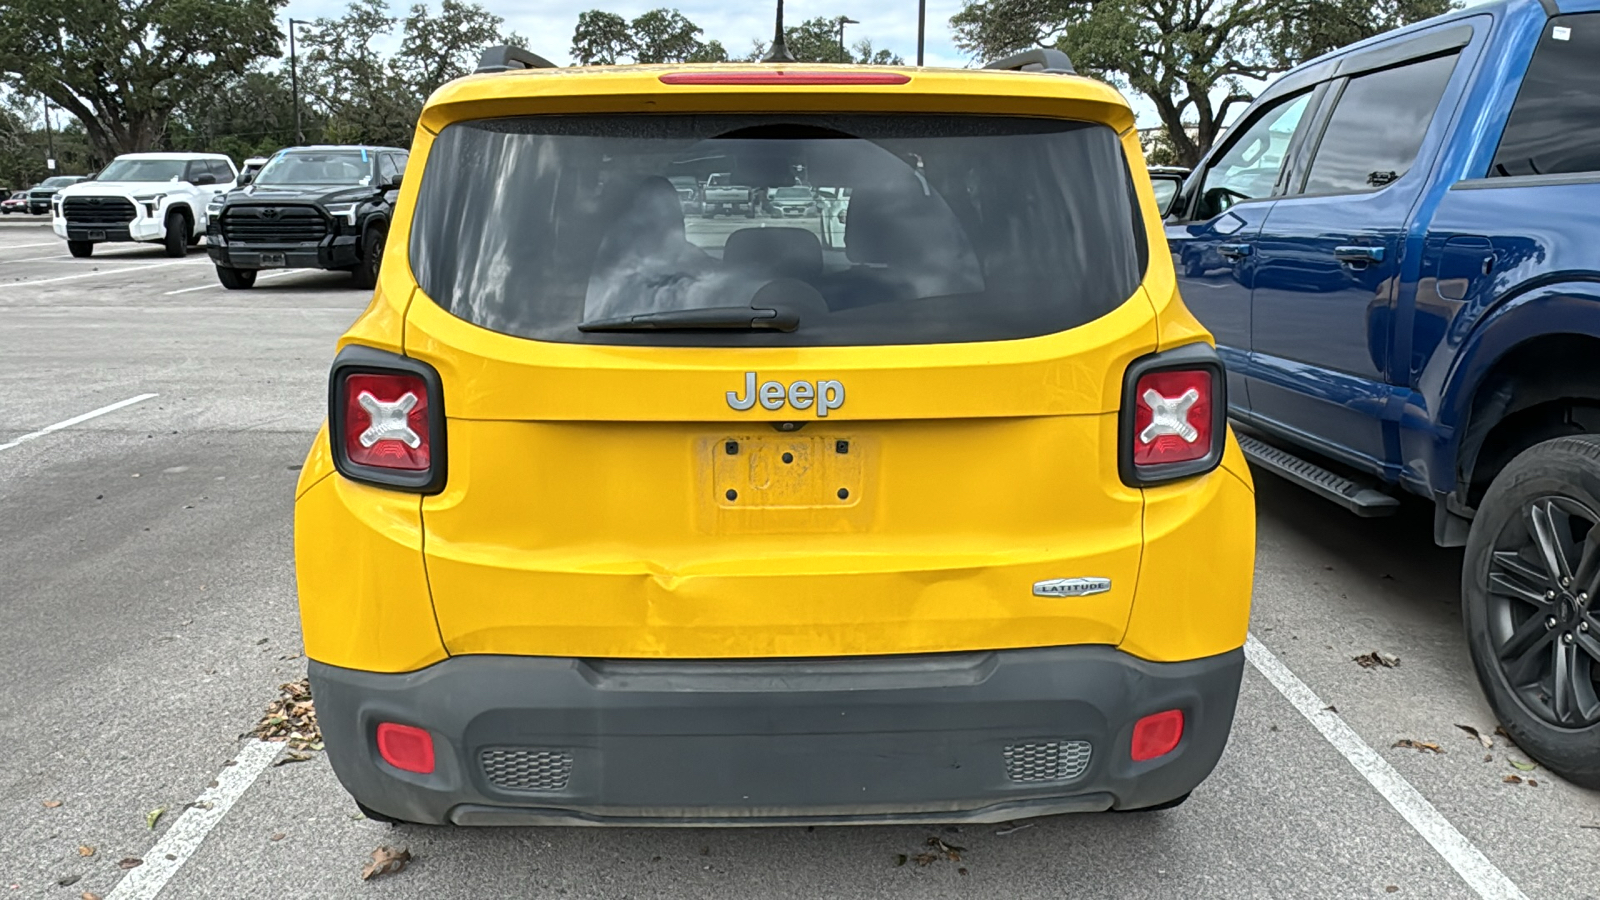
924,229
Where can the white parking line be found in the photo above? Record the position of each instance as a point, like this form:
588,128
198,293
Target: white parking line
163,861
1483,876
207,287
49,429
181,262
21,246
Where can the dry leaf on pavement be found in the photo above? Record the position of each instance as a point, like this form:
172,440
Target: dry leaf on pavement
1523,765
68,880
88,895
1512,779
385,861
154,816
130,862
1409,744
51,804
85,850
292,718
1483,739
1375,659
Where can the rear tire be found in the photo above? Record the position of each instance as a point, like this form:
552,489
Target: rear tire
80,249
1534,638
178,230
1174,802
365,274
236,279
376,816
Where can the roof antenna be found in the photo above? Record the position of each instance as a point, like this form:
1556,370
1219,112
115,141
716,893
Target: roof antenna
780,50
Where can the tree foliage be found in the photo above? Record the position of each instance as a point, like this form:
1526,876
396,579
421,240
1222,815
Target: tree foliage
361,95
122,66
658,36
1191,58
817,40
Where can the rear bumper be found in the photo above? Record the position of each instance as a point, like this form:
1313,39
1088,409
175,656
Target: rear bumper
965,737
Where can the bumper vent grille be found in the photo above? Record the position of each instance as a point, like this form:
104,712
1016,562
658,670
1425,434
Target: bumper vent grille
526,768
1047,760
273,225
97,210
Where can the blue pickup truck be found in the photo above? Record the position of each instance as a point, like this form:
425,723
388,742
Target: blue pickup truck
1397,248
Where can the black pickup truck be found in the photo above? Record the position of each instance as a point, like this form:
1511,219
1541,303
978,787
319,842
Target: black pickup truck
308,208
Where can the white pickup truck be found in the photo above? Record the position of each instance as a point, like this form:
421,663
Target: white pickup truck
158,198
721,195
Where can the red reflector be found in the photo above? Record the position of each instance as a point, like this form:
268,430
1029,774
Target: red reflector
1172,417
386,421
781,76
406,747
1157,735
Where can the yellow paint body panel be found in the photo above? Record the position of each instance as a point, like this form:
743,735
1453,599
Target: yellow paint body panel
585,511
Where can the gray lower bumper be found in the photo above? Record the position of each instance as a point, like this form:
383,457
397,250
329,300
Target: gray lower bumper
975,737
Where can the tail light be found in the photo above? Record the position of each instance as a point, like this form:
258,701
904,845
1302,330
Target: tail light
386,420
1174,416
406,747
1156,735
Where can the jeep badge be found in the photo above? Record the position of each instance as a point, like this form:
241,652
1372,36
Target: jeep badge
825,395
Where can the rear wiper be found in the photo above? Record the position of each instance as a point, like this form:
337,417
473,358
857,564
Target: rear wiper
732,318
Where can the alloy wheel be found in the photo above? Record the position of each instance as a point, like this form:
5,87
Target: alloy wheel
1543,618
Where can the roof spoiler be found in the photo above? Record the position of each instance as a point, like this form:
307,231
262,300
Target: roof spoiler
504,59
1039,59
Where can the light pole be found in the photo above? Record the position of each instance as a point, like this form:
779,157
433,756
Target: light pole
843,21
922,26
294,81
49,138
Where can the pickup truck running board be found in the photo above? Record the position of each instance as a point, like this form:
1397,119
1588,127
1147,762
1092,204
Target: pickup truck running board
1359,499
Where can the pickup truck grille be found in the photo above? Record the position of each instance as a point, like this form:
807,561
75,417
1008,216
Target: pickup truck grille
98,210
273,225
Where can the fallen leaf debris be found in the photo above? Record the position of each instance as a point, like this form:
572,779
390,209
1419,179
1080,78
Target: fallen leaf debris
292,718
1376,659
1409,744
1523,765
154,816
1484,739
385,861
130,862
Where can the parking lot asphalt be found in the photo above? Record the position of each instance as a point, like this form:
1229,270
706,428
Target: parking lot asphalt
147,616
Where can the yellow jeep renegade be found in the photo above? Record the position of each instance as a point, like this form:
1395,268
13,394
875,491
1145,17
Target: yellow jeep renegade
751,444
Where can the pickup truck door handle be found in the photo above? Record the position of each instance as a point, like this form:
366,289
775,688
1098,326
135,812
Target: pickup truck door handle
1234,252
1359,256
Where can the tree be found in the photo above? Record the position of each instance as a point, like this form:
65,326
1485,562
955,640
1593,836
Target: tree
817,40
1181,53
122,67
365,97
658,36
243,116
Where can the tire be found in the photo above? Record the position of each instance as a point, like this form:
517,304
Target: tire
80,249
236,279
376,816
365,274
1169,804
178,229
1535,639
750,211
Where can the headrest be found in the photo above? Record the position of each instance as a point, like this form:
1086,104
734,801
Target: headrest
782,252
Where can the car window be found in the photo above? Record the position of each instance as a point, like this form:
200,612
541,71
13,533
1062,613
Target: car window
221,170
386,169
1249,168
1555,125
195,169
1372,138
956,228
1165,188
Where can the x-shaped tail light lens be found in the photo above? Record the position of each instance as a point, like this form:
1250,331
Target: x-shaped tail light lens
1172,418
386,421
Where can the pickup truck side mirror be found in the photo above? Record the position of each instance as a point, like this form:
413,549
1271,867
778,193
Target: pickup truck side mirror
204,179
1168,188
393,182
245,178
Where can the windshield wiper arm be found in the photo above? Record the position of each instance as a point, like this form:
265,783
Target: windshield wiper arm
730,318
